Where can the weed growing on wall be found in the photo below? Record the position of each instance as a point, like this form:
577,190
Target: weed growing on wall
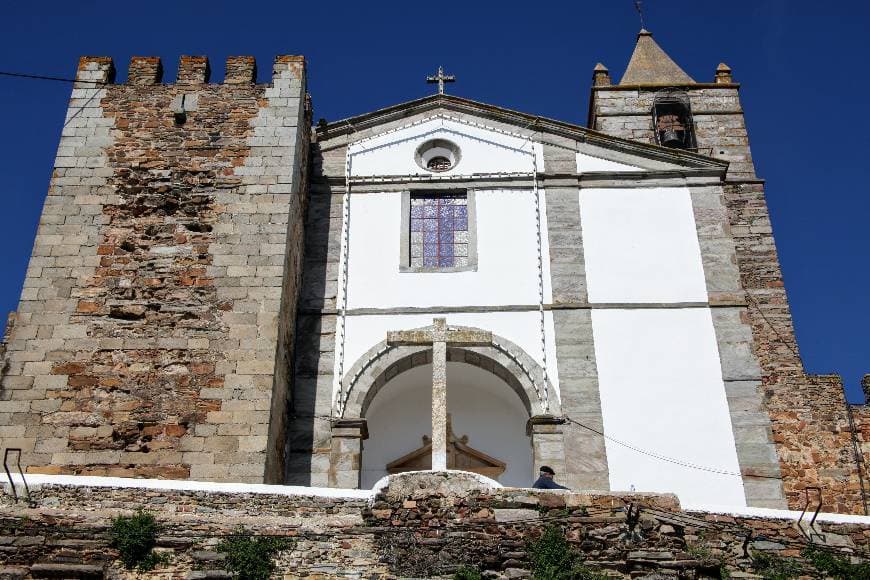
775,567
250,557
552,558
836,566
135,537
468,573
707,558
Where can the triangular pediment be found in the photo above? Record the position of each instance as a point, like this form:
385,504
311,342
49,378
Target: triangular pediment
512,133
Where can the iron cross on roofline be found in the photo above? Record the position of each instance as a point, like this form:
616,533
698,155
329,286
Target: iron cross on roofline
441,78
439,336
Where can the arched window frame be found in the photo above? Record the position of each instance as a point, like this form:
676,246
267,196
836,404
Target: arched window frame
670,101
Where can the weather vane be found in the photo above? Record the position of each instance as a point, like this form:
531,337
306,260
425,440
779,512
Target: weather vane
637,6
441,78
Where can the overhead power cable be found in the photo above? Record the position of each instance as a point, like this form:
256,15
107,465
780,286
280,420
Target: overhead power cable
859,459
760,310
665,458
60,80
47,78
654,455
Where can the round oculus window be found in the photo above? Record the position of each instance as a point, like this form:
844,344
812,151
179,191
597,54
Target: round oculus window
437,155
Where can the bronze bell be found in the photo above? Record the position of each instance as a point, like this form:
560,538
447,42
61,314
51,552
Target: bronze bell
670,138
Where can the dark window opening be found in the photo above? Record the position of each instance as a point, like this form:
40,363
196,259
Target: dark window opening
438,164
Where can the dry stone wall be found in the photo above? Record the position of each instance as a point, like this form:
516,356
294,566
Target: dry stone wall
421,525
164,277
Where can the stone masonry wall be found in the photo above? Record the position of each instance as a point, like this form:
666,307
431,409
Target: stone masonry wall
164,277
809,413
309,433
809,418
720,128
419,526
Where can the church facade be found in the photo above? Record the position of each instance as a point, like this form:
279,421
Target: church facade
220,291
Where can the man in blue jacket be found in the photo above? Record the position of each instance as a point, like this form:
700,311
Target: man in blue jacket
545,481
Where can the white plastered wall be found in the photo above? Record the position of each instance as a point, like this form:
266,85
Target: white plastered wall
506,274
641,245
507,263
482,150
659,371
662,391
588,163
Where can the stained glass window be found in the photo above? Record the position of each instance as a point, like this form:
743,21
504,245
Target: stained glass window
439,230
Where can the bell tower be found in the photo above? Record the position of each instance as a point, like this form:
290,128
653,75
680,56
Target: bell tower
657,102
812,426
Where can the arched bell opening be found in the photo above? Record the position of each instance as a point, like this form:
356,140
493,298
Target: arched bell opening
672,120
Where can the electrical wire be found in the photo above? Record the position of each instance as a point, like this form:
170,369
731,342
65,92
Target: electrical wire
665,458
62,80
657,456
782,339
48,78
634,448
859,459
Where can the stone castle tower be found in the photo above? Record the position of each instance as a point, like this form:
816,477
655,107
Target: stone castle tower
157,313
182,313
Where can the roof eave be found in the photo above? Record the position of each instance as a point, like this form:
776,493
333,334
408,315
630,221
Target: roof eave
691,87
523,121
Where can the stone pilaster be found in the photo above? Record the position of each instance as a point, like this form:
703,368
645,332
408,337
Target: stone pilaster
345,458
753,437
548,442
585,453
309,432
567,266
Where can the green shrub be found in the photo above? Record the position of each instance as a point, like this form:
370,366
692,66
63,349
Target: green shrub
835,565
250,557
135,537
775,567
467,573
552,558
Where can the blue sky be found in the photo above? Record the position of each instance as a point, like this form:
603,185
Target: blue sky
802,65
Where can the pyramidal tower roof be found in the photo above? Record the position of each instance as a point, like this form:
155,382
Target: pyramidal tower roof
650,65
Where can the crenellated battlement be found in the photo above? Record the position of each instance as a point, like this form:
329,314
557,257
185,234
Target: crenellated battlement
192,70
174,226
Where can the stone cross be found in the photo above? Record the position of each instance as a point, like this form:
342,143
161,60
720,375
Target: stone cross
441,78
439,336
